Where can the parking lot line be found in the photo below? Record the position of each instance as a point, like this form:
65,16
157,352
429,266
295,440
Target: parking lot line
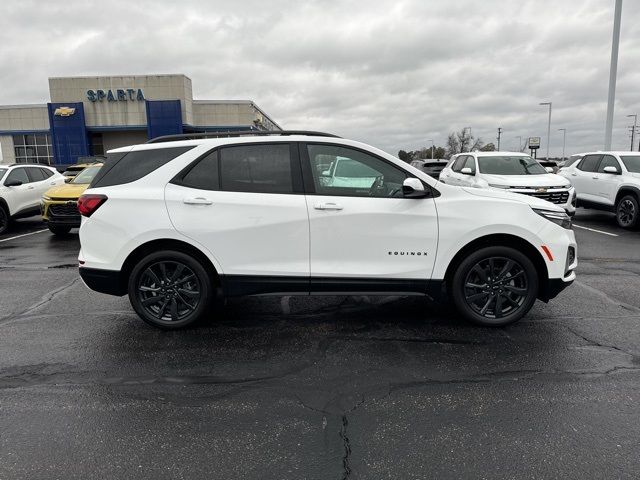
594,230
23,235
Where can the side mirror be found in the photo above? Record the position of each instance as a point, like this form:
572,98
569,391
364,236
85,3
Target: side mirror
413,188
467,171
68,179
13,183
549,169
611,169
325,173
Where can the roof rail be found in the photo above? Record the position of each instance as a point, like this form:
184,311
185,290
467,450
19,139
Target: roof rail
257,133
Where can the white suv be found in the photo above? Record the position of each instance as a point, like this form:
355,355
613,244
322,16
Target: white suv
175,224
513,171
21,188
608,181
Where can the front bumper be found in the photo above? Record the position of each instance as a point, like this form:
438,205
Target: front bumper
61,212
103,281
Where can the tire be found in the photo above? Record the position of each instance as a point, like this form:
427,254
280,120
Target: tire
170,290
512,287
5,219
627,211
59,229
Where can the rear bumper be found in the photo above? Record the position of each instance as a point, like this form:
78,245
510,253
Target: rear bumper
103,281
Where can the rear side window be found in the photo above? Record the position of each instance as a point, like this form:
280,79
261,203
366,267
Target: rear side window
204,174
589,163
35,174
127,167
46,173
256,168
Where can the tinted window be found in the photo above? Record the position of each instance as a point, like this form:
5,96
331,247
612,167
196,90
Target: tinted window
35,174
510,165
256,168
457,165
632,162
2,172
608,161
17,174
204,174
573,159
589,163
470,163
46,173
86,175
353,173
128,167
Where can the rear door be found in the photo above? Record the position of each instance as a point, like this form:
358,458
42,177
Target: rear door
366,237
245,204
584,178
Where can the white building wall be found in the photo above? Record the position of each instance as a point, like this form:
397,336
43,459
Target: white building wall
24,117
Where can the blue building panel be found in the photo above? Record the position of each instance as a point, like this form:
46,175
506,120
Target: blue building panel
68,132
164,117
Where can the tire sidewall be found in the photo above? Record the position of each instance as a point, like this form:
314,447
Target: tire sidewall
3,211
59,230
460,275
634,222
204,279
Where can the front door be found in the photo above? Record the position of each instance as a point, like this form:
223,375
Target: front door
584,178
21,197
365,235
607,184
245,204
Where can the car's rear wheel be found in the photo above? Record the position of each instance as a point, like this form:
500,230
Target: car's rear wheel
4,219
627,211
59,229
170,290
495,286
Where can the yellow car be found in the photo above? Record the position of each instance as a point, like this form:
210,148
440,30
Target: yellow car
59,205
72,170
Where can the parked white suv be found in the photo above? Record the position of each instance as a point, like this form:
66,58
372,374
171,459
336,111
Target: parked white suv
21,188
175,224
608,181
513,171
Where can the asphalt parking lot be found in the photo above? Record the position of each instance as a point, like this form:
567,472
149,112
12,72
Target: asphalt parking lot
324,387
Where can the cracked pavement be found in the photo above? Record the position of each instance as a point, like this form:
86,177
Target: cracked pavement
323,387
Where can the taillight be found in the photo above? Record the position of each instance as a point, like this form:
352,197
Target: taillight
89,203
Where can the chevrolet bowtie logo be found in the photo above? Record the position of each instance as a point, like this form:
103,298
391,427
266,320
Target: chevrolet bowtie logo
64,111
541,190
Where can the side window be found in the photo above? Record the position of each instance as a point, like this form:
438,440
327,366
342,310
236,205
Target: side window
589,163
460,161
18,174
608,161
470,163
256,168
353,173
46,173
204,174
35,174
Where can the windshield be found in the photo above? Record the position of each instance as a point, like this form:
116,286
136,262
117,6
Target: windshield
505,165
86,175
632,162
350,168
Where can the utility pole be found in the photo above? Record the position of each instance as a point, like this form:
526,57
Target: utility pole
633,131
549,125
431,140
564,139
519,137
613,72
499,135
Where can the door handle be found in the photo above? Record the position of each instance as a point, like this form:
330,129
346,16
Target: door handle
595,178
574,174
53,183
197,201
327,206
30,187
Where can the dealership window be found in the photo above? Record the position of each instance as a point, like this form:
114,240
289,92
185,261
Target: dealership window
33,148
97,144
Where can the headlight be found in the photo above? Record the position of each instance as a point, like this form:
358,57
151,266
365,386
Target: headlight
45,198
559,218
499,186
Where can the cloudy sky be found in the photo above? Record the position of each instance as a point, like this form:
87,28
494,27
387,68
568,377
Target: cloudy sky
390,73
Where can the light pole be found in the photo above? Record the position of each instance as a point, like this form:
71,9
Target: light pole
499,135
548,126
633,132
564,139
519,137
613,72
432,145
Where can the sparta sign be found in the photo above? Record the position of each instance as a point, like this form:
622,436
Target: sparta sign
120,95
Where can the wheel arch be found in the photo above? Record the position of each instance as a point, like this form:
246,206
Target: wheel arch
5,205
505,240
627,189
166,244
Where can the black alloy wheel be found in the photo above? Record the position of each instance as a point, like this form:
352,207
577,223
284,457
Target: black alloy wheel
495,286
170,290
627,211
4,220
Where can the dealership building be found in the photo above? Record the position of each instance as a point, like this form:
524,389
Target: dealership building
89,115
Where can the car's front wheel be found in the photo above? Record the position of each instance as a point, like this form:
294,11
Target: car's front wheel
4,219
170,290
627,211
494,286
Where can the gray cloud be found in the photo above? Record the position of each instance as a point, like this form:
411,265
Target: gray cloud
390,73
